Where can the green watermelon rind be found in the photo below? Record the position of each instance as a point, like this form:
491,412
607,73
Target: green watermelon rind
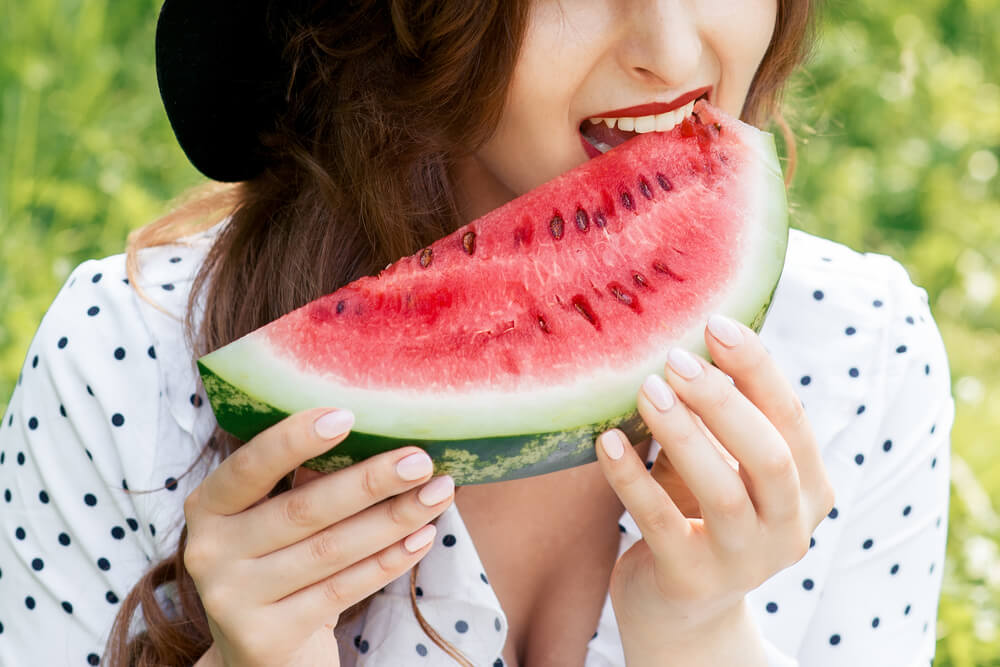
475,450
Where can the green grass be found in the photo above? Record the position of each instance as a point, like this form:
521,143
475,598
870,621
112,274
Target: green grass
898,118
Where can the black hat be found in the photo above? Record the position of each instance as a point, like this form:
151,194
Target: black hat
222,81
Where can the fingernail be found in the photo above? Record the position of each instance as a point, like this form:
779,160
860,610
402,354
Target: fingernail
420,539
334,423
414,466
683,363
436,490
612,444
725,330
658,393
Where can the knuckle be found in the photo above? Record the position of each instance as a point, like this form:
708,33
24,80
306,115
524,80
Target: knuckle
298,510
213,598
721,396
242,465
386,562
324,547
333,594
199,555
730,504
370,483
780,465
791,412
191,504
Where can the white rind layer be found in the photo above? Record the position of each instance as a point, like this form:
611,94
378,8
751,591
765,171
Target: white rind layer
604,394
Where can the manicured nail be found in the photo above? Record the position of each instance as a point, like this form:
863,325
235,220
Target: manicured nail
436,490
725,330
658,393
420,539
334,423
683,363
414,466
612,444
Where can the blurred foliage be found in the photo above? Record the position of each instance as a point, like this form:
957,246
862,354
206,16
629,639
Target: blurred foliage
898,125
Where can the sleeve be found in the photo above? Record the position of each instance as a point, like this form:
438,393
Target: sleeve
83,417
880,600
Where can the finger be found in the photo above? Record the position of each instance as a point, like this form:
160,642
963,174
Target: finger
745,432
352,540
725,505
313,506
315,605
758,377
656,515
250,472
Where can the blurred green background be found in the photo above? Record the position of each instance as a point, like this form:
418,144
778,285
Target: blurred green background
898,121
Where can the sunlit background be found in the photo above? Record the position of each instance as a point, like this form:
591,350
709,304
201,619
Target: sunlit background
898,124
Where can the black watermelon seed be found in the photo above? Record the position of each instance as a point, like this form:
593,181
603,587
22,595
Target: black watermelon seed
644,188
660,267
340,307
469,242
426,257
640,279
556,225
582,220
664,182
627,200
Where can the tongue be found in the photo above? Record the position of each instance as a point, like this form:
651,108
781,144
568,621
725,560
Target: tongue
603,134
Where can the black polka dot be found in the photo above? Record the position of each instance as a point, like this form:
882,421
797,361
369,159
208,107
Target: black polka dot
805,380
89,390
901,349
43,496
621,529
168,287
933,428
850,331
931,570
119,353
859,458
7,496
808,584
421,650
834,513
89,455
906,612
67,607
357,641
111,597
462,626
877,303
118,532
63,342
364,646
174,260
482,576
593,636
812,542
449,540
151,352
33,423
927,369
834,640
93,659
29,602
875,622
772,607
894,569
117,419
104,564
868,543
20,458
498,663
132,524
152,530
419,591
62,410
64,539
19,533
170,483
818,295
90,499
853,372
93,310
909,319
906,510
496,624
887,445
938,522
96,278
649,465
37,564
861,409
125,485
196,400
34,362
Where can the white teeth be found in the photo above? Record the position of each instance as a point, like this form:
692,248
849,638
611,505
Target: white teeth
641,124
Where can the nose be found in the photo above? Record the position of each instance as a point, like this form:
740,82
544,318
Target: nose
665,43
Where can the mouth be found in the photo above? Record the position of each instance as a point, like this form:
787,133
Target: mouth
602,133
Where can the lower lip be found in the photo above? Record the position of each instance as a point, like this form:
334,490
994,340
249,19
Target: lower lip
589,149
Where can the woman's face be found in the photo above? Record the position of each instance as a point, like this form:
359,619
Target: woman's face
585,59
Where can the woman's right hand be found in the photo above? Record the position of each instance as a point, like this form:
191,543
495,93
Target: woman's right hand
274,574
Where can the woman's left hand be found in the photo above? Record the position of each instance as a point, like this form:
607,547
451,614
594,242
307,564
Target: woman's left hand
756,519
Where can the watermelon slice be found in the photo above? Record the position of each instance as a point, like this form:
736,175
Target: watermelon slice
506,347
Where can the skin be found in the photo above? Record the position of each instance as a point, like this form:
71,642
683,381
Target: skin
739,485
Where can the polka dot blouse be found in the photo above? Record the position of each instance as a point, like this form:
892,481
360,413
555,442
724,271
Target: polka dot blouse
109,404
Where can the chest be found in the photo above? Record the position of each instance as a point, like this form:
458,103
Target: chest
548,545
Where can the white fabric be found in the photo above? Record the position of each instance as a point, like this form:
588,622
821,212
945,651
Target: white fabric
884,433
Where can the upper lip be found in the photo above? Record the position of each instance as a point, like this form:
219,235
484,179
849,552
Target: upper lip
655,108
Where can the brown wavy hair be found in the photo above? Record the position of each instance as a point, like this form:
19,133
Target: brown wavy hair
384,96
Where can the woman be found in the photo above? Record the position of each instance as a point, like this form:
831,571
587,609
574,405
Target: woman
359,135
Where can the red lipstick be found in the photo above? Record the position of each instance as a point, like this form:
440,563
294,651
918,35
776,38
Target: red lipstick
655,108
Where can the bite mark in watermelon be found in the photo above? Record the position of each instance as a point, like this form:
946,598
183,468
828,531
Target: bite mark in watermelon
505,348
